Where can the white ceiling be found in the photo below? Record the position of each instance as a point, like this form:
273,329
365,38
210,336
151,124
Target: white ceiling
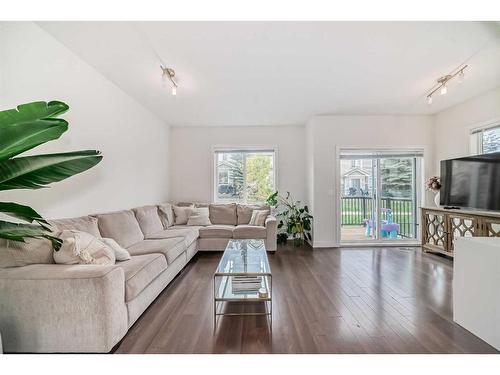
281,73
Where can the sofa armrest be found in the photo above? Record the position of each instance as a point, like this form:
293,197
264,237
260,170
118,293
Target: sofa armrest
62,308
271,225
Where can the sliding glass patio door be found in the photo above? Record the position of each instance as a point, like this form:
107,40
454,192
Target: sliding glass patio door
378,195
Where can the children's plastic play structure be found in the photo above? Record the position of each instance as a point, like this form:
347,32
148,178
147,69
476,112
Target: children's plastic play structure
388,229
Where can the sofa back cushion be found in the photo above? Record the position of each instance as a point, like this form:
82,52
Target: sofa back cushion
223,214
166,212
184,204
84,224
148,219
122,226
32,251
244,212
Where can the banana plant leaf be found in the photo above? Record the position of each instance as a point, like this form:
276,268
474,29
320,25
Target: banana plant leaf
30,125
18,232
35,172
21,212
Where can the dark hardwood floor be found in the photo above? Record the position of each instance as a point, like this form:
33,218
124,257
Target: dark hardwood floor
371,300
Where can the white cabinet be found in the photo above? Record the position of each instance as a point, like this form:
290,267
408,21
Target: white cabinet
476,287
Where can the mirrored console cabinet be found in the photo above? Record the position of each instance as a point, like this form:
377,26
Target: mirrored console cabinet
440,227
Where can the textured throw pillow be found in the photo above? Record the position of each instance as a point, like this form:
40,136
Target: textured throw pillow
199,216
83,248
32,251
182,214
244,211
258,218
120,252
199,220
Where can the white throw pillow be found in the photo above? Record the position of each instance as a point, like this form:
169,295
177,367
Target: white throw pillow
120,252
258,218
199,220
182,214
83,248
199,216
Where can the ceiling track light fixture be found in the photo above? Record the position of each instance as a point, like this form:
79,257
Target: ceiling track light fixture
442,83
168,74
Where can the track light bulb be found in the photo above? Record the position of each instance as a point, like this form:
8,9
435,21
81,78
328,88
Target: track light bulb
461,76
174,90
429,100
444,90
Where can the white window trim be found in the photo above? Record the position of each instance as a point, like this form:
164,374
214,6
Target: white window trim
475,134
247,148
477,128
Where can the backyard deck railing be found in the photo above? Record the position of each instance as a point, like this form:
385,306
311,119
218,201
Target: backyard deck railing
355,210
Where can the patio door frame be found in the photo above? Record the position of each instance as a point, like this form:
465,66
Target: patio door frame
417,178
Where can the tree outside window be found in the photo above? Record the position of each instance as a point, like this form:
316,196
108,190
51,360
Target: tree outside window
244,176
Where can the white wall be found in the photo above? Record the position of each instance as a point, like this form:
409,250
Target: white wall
453,125
192,157
133,141
327,133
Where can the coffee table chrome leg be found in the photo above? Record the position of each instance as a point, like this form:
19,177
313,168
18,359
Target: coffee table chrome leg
215,308
271,300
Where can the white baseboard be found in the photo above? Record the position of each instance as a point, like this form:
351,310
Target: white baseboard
317,244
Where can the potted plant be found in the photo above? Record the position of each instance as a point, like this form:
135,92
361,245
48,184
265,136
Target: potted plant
21,129
434,184
295,221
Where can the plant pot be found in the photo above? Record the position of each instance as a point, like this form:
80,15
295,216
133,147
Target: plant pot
298,241
437,198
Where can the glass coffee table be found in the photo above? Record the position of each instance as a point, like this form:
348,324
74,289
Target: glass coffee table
243,276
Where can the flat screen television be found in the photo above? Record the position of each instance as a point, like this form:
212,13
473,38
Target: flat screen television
471,182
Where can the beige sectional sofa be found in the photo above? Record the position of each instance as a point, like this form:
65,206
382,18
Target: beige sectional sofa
47,307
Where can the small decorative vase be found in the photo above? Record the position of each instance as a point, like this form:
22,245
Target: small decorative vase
437,199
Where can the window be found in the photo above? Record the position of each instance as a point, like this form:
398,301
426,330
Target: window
486,140
244,176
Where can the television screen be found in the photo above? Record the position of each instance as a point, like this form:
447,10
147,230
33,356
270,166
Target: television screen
472,182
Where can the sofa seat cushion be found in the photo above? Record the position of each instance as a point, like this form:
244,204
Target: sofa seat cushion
122,226
171,248
189,233
217,231
140,271
148,219
249,232
84,224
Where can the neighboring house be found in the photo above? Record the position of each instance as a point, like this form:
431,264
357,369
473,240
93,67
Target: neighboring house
225,178
356,177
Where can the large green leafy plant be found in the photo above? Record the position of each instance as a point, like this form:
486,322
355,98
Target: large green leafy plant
21,129
295,221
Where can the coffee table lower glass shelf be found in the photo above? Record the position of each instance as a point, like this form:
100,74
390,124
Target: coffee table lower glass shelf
243,261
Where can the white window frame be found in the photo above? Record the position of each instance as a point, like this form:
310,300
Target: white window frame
246,149
476,136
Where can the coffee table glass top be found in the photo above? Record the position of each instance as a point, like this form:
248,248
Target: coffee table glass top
244,257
